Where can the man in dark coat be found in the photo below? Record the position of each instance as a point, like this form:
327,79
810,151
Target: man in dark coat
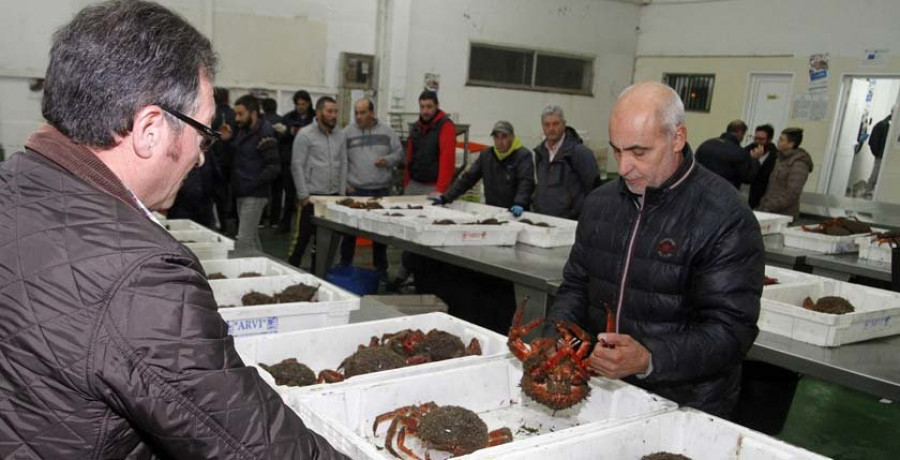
255,165
672,255
877,141
110,344
762,139
506,170
566,169
724,156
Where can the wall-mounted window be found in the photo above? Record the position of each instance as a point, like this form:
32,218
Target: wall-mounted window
695,89
518,68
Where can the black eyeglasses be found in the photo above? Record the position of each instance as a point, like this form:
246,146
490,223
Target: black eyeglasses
208,135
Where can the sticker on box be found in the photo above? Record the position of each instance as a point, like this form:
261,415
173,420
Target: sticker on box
267,325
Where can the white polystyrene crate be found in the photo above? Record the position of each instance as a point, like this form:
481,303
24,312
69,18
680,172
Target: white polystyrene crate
325,348
688,432
182,224
429,234
331,306
796,237
870,249
877,313
560,233
205,244
321,202
387,222
233,268
770,224
489,388
787,276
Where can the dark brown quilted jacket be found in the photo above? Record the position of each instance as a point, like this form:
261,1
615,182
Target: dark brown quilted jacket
110,342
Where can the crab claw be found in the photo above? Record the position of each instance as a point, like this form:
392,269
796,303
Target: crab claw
474,347
418,359
808,304
330,376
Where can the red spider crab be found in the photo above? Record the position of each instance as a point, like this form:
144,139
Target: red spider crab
555,372
436,345
452,429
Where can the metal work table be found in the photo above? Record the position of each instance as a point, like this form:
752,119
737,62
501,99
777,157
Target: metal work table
843,266
872,366
532,270
885,215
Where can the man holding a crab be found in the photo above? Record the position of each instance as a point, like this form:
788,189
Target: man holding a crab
667,266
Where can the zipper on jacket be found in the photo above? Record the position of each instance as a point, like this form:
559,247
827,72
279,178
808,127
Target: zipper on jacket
624,281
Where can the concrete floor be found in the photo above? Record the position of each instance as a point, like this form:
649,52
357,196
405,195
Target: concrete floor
826,418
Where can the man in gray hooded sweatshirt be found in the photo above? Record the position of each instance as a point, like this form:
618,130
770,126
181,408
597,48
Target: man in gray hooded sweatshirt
373,150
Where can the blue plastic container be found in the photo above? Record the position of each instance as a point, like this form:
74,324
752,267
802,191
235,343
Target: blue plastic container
360,281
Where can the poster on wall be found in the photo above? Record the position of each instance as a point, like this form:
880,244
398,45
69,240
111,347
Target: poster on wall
818,71
812,106
874,58
432,82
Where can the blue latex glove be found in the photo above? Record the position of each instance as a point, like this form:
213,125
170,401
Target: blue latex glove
517,210
439,200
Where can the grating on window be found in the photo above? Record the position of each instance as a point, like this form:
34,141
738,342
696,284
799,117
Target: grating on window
695,89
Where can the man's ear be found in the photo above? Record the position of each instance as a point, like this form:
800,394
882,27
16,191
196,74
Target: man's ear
680,138
148,131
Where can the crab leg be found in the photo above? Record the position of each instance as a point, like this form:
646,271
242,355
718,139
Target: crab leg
500,436
401,443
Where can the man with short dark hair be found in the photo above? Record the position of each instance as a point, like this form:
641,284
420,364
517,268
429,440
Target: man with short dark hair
430,150
762,140
724,156
566,169
792,168
669,259
319,167
111,344
373,150
292,122
254,166
506,170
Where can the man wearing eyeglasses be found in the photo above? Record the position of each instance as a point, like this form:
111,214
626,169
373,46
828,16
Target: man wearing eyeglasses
255,165
110,342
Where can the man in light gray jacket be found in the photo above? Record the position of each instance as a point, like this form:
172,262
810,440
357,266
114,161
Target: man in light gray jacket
319,167
373,150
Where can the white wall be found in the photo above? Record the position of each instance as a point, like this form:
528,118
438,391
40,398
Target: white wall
438,42
281,45
767,27
732,38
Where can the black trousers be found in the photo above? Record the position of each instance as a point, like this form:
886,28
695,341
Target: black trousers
306,233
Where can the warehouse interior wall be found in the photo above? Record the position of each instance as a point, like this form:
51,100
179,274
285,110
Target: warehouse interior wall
732,38
438,42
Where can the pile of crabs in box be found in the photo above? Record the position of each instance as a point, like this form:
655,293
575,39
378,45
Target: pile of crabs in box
434,386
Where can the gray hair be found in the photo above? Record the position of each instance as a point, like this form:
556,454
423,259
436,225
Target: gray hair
671,112
117,57
553,110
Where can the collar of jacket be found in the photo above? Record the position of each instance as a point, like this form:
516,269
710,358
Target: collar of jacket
55,146
654,194
427,126
731,138
568,143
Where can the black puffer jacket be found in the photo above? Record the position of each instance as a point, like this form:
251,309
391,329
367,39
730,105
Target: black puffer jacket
110,342
691,283
506,183
256,161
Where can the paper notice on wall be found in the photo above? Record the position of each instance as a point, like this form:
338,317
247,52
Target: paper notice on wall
432,82
874,58
812,106
818,72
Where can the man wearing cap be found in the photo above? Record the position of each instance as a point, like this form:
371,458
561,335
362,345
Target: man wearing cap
507,170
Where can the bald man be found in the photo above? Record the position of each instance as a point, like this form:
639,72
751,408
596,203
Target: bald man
672,256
